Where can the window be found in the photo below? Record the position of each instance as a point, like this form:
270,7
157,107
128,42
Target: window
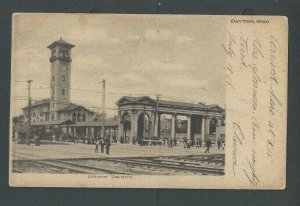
83,118
60,52
41,113
53,52
63,91
33,115
53,78
63,78
74,117
52,90
52,117
78,117
47,117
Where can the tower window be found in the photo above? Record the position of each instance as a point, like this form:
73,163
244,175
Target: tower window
63,91
60,52
63,77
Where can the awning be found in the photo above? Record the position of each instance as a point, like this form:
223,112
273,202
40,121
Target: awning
107,123
57,122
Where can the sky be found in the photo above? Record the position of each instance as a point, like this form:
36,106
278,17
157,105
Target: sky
178,57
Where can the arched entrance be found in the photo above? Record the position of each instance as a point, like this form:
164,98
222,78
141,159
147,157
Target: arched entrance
142,127
127,127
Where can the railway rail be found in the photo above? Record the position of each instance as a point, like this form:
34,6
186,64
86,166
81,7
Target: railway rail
128,166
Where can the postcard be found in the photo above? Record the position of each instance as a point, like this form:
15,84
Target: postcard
148,101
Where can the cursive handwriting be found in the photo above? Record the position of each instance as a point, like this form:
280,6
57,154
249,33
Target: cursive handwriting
228,74
228,46
251,175
274,102
238,138
243,51
257,50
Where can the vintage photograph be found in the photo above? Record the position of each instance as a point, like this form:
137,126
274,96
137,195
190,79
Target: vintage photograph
117,94
148,101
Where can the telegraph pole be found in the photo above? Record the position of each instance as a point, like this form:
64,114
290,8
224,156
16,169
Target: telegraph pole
103,108
156,115
144,129
29,113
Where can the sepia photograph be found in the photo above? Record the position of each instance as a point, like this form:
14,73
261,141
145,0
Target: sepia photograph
142,101
141,96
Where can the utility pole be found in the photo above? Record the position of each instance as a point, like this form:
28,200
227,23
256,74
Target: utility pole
103,108
156,116
29,113
144,129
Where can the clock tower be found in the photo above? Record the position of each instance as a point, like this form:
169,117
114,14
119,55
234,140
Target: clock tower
60,60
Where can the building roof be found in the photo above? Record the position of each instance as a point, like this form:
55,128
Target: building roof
38,103
61,42
70,107
107,123
145,100
73,106
56,122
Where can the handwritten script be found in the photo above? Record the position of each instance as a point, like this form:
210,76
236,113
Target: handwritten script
246,56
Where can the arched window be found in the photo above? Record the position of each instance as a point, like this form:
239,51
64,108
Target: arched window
78,117
33,115
74,117
83,117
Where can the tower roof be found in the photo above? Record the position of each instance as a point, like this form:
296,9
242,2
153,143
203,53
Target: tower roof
62,43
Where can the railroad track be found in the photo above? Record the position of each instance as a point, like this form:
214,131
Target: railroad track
135,165
14,170
67,167
171,166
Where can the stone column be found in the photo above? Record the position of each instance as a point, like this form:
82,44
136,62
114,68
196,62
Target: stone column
218,126
207,124
188,132
151,125
120,126
133,125
110,135
92,132
158,125
203,129
86,131
173,126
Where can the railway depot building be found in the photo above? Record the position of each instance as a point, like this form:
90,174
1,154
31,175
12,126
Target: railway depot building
138,118
57,114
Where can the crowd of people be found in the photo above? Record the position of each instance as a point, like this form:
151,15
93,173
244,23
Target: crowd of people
104,143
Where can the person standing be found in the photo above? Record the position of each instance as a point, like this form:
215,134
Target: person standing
197,143
219,143
208,145
107,144
102,145
97,145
